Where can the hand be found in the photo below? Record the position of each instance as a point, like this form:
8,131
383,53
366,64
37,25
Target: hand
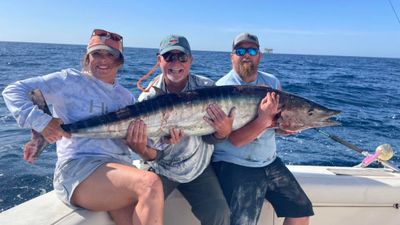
34,147
30,150
175,136
136,137
217,119
53,131
268,109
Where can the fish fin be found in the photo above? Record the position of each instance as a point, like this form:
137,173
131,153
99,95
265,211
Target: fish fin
232,112
38,99
159,91
38,143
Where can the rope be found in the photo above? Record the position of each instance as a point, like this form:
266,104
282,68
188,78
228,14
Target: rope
145,76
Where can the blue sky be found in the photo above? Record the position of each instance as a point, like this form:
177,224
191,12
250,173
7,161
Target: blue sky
322,27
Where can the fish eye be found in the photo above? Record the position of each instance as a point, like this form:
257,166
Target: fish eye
310,112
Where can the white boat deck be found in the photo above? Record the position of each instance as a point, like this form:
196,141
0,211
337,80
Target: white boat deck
340,195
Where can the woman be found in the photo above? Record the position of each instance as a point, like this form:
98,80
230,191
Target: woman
95,174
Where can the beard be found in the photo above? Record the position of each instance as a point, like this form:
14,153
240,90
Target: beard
246,70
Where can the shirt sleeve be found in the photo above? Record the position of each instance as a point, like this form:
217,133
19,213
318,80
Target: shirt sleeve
17,99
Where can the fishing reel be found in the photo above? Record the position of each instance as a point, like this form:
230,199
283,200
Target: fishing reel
383,153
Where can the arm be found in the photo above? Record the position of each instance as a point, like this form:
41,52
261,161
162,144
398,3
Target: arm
266,112
17,99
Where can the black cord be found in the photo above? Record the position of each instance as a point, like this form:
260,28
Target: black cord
394,10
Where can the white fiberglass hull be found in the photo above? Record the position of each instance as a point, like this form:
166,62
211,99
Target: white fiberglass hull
340,195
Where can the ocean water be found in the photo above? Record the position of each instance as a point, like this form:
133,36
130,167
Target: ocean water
366,90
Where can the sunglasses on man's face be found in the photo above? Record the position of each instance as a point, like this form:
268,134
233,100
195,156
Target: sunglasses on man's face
108,35
170,57
243,51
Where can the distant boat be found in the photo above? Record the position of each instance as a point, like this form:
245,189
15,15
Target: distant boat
268,50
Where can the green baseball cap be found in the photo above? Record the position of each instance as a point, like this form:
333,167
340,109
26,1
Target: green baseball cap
245,37
175,42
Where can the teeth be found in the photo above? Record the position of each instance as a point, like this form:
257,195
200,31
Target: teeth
175,70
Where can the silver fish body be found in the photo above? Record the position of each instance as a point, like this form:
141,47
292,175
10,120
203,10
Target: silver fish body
186,111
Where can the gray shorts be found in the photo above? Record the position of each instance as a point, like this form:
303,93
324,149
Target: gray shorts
70,173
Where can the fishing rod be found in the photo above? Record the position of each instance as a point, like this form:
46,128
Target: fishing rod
383,153
394,11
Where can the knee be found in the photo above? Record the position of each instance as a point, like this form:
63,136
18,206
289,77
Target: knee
216,208
151,183
297,221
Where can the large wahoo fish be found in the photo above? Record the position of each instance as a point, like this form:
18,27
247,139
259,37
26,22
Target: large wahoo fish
186,111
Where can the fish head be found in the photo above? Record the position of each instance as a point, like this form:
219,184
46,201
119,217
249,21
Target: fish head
301,114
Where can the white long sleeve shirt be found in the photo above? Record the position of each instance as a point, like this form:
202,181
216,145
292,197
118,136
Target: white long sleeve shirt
73,96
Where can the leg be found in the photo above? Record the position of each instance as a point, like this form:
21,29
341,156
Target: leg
297,221
122,216
206,198
286,196
119,189
168,186
244,189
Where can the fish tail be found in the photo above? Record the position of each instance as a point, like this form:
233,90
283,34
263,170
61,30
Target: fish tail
38,143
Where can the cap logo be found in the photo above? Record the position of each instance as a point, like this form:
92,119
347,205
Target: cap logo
103,38
173,41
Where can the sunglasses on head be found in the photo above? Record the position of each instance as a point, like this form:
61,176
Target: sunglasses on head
243,51
108,35
170,57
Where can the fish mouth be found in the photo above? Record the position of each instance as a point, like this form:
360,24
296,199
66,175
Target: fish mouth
333,112
297,127
315,118
326,120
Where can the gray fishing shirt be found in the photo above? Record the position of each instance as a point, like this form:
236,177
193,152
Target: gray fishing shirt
73,96
185,161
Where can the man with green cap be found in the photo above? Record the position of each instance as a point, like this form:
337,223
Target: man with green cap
183,162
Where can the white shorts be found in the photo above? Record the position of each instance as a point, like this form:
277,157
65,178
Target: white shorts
70,173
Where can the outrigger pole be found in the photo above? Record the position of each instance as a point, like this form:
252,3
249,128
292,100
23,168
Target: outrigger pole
382,153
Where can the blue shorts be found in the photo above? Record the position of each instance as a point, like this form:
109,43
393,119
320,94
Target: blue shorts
246,188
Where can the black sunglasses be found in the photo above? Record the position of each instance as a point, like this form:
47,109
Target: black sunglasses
170,57
108,35
243,51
